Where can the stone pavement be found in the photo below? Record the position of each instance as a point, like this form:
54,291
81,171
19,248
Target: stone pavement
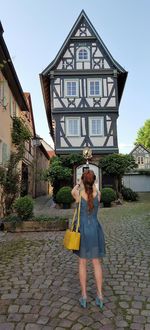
39,287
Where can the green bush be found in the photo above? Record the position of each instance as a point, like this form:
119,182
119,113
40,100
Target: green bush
128,194
24,207
64,196
108,195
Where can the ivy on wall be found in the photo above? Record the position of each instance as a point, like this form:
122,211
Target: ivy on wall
10,175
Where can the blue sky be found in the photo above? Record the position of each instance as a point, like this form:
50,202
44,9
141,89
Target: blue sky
34,31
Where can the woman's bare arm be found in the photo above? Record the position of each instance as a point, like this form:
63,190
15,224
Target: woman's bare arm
99,195
75,192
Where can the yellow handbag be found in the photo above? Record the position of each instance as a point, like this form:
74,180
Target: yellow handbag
72,238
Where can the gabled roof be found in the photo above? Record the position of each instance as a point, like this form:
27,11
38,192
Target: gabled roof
9,72
78,21
45,79
139,145
29,103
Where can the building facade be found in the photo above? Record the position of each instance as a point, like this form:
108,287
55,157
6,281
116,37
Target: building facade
42,187
141,156
82,90
139,179
15,103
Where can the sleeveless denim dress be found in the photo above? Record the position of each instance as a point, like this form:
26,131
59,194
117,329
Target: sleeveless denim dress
92,243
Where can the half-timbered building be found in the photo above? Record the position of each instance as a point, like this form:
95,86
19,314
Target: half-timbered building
141,155
82,89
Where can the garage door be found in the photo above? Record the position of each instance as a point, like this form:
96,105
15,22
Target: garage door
136,182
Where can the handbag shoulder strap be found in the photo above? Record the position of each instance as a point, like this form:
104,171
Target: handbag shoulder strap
77,211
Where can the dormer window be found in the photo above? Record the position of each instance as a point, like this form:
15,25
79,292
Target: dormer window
83,54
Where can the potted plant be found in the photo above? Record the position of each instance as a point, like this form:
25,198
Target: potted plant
108,195
64,197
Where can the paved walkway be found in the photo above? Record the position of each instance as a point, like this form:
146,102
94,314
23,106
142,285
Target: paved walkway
39,286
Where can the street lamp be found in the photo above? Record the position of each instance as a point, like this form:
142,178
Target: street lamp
87,154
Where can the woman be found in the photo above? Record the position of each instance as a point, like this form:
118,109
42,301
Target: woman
92,244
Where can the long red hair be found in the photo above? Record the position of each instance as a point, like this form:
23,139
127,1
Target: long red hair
88,178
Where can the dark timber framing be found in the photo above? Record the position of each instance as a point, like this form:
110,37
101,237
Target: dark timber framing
99,66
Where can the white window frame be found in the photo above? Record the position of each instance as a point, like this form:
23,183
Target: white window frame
12,105
102,126
3,92
77,88
140,160
67,126
100,87
83,59
2,89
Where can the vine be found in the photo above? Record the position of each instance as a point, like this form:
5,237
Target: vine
10,175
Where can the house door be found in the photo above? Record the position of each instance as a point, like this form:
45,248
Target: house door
24,180
80,169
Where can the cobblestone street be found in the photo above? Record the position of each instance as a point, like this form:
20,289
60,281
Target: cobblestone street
39,287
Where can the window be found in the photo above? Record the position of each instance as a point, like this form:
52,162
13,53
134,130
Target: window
94,87
83,54
140,160
1,152
96,126
1,89
4,153
71,88
73,126
12,106
3,92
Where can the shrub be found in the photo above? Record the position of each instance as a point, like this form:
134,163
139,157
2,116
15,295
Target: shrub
108,195
24,207
64,196
128,194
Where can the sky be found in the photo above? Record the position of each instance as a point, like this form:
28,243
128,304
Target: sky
34,31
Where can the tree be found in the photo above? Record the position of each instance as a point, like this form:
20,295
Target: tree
143,135
116,165
60,171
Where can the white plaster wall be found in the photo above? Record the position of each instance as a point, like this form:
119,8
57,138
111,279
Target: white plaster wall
98,141
110,142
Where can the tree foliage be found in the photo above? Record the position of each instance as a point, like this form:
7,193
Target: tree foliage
72,160
10,175
60,171
143,135
57,171
10,184
116,165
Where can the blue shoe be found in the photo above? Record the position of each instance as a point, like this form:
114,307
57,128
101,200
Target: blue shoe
83,302
99,303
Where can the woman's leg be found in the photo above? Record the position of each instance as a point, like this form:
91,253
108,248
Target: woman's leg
82,276
98,276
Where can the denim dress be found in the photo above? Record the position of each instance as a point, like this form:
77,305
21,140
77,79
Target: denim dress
92,242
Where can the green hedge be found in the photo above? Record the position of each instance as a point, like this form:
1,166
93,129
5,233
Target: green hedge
128,194
108,195
24,207
64,196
